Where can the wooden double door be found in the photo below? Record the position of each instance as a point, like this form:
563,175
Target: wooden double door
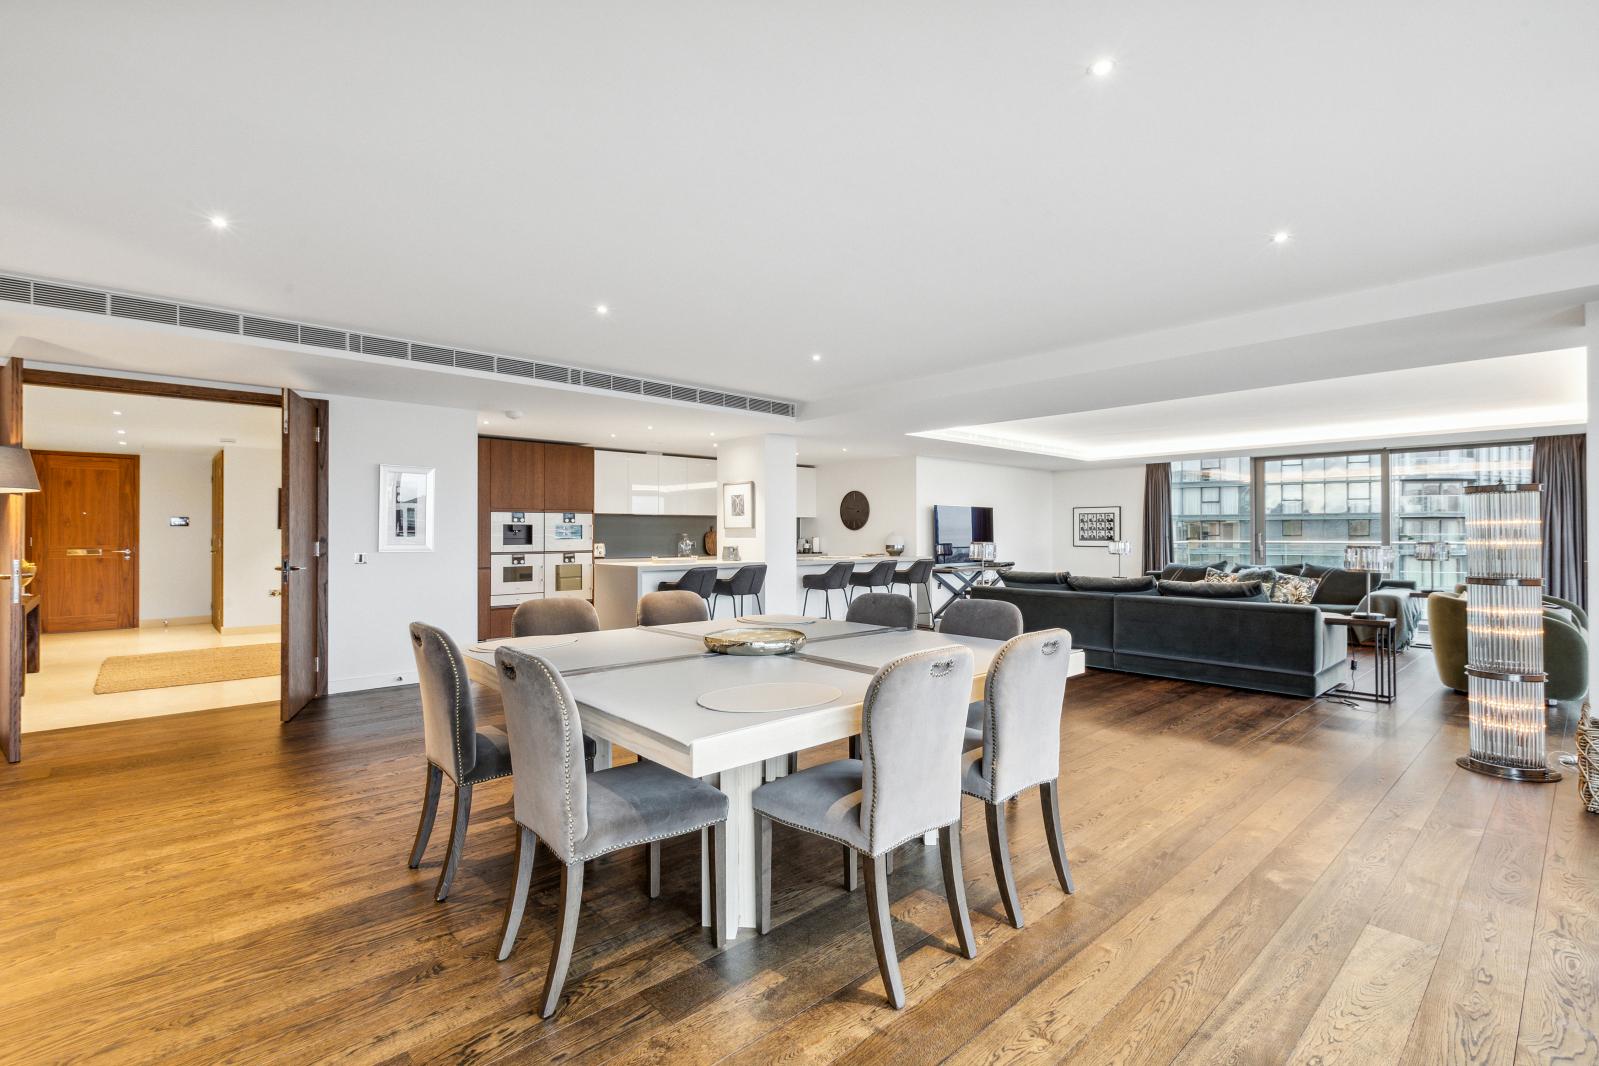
83,533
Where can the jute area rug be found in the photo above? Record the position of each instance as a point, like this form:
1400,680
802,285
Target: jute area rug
171,669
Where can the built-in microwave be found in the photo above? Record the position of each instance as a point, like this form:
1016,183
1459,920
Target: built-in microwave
511,531
514,577
569,574
568,531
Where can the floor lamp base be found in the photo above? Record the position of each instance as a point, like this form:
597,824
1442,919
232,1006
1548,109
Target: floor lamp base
1535,775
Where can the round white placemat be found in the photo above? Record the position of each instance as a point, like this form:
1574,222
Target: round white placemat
777,620
772,696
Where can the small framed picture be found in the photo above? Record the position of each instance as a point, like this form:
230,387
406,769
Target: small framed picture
405,509
1095,527
738,505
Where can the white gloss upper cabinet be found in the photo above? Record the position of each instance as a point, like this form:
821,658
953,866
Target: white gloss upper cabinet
688,486
611,495
805,492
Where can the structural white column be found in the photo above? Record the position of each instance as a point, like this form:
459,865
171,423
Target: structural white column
768,462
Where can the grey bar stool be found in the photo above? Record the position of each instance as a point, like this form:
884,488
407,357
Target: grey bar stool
918,573
829,581
456,746
907,784
993,619
880,576
699,580
543,618
746,581
1018,747
673,606
581,816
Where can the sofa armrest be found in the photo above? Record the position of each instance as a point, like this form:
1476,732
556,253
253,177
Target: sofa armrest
1396,583
1576,612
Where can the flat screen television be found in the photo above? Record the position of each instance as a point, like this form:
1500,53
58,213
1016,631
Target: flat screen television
955,528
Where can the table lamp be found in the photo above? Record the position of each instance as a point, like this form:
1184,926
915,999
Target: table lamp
1120,549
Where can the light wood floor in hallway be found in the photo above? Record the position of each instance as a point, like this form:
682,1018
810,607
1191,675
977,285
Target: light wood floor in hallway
62,693
1260,880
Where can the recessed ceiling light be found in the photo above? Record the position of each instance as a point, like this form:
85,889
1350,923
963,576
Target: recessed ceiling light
122,433
218,221
716,444
123,443
816,357
116,412
1282,236
713,432
602,309
1101,67
843,449
649,427
613,436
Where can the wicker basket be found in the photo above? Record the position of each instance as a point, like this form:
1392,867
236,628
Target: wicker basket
1588,760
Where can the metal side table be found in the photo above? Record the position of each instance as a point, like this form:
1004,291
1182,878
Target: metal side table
1385,684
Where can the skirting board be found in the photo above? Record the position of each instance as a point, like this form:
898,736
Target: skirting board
363,682
188,620
229,631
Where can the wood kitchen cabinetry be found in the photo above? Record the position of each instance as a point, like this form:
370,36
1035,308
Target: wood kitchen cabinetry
524,475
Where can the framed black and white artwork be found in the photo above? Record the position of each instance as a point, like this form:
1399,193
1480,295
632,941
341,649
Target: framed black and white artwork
405,509
738,505
1095,527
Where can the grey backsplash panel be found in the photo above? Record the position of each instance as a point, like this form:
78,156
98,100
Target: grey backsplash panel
640,536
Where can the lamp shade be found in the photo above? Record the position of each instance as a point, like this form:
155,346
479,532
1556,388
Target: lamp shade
16,470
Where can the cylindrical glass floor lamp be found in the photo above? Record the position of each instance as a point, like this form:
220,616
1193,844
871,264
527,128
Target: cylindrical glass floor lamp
1504,633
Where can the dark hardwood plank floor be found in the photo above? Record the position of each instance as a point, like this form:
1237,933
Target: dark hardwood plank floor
1260,880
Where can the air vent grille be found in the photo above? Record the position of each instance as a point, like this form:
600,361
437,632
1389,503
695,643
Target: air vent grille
148,310
18,289
69,299
124,305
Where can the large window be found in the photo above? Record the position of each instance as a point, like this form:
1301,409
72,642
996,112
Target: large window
1210,506
1428,524
1309,508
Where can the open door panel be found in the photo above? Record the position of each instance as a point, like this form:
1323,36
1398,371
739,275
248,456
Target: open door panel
11,554
304,570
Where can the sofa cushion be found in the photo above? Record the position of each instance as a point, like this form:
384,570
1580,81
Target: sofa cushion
1291,588
1111,584
1341,586
1052,578
1215,590
1179,572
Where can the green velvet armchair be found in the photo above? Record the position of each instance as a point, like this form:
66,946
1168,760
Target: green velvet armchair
1565,644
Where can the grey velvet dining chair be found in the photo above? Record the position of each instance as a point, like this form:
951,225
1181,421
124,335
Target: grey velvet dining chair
557,618
990,619
882,609
456,746
581,815
1018,746
669,608
907,783
548,618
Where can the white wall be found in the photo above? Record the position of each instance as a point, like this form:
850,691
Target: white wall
174,561
371,605
1021,498
768,461
890,489
252,546
1121,486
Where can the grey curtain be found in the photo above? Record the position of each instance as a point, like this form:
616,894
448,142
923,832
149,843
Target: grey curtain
1560,465
1157,516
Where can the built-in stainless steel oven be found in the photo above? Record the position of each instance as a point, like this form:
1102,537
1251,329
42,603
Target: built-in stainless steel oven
514,577
568,531
569,574
511,531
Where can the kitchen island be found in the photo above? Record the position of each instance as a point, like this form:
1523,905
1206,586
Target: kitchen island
620,583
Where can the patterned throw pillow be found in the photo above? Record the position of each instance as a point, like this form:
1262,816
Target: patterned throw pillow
1221,576
1291,589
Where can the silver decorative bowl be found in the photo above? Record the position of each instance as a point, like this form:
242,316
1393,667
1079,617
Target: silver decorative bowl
755,640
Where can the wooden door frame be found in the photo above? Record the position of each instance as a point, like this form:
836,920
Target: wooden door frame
32,523
218,534
11,532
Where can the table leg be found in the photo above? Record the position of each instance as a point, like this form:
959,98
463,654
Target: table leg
602,754
739,784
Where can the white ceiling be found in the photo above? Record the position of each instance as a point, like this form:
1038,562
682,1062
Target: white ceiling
935,196
86,421
1486,396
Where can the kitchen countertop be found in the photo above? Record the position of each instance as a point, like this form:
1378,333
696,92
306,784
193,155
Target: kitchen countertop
676,563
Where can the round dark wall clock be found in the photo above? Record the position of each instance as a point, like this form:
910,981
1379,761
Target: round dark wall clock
854,509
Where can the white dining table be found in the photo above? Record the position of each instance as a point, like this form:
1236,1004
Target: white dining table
640,688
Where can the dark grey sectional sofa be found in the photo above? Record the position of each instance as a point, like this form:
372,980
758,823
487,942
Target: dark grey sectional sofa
1267,647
